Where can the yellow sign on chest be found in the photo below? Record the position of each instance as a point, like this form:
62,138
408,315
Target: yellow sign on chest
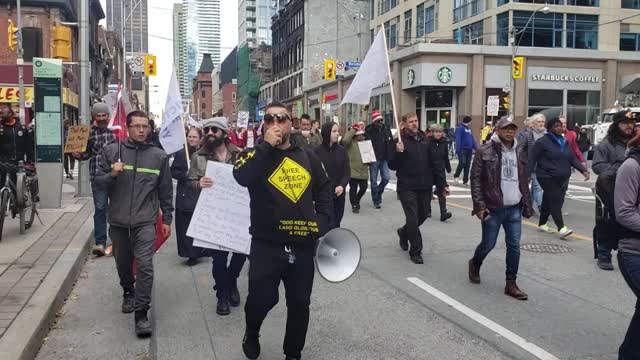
291,179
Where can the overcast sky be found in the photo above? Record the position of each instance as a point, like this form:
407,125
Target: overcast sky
161,45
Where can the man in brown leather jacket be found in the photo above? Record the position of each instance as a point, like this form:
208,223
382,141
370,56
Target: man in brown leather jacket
500,194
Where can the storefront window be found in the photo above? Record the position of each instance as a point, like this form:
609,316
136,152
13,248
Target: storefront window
354,114
548,102
583,107
438,98
383,104
544,30
419,106
502,111
582,31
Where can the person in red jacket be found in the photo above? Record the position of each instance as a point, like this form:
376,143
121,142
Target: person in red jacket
571,137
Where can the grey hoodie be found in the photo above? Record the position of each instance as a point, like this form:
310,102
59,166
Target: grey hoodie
509,178
627,203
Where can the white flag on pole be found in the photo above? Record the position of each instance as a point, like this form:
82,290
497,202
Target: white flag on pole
373,73
193,122
171,131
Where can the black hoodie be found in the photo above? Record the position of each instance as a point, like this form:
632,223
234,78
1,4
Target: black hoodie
414,167
291,197
334,158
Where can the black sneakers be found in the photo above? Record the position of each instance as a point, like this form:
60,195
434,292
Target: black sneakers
417,259
143,326
446,216
404,243
251,345
128,301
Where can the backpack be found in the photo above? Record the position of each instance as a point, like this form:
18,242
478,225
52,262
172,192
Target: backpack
608,232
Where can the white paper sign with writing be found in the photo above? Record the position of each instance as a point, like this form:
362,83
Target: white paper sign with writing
221,219
366,151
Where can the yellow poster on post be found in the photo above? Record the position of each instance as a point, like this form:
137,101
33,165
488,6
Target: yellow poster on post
77,139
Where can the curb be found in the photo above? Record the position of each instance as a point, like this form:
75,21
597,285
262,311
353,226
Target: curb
23,338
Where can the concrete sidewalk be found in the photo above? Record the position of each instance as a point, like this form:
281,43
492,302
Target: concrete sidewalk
38,270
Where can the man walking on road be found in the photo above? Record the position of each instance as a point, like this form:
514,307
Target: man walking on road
99,137
137,177
465,145
382,141
291,199
414,169
217,147
607,157
500,194
305,137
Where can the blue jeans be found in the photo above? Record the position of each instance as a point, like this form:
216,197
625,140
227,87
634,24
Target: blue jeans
511,219
100,203
464,163
536,192
630,269
385,175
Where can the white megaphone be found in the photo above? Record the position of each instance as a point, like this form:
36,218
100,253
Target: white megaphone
338,255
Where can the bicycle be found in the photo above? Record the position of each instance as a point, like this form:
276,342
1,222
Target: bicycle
452,150
18,196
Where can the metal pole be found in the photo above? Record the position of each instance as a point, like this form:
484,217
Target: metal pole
511,82
84,187
124,47
20,63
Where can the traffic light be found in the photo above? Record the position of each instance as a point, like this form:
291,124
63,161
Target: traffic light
518,67
13,36
505,102
329,69
150,68
61,37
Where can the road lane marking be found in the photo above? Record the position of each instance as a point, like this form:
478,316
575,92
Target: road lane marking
526,222
484,321
580,188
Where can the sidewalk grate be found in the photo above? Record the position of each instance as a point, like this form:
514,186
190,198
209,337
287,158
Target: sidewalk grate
546,248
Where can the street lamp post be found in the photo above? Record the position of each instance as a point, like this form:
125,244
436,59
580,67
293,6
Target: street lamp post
514,48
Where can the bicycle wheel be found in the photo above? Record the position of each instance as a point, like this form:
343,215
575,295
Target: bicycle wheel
24,201
4,206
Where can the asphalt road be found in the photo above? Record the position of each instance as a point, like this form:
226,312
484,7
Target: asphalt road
390,309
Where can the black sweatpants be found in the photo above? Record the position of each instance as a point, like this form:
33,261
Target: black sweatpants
357,189
268,265
555,189
442,201
225,273
415,205
338,211
138,243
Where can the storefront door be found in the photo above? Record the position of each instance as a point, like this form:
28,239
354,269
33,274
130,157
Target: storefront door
439,107
437,116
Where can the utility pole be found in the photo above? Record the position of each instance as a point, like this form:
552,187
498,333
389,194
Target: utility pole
512,40
20,64
84,187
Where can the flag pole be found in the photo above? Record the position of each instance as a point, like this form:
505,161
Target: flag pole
186,146
393,97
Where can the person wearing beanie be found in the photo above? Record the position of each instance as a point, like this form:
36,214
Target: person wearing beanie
607,157
336,162
99,137
359,174
465,145
382,141
217,146
552,159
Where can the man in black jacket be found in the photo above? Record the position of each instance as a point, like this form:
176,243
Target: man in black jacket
290,208
441,166
138,179
414,169
382,141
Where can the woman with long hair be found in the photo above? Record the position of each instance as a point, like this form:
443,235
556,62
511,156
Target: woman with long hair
186,198
627,208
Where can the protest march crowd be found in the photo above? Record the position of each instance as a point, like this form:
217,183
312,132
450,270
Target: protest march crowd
300,173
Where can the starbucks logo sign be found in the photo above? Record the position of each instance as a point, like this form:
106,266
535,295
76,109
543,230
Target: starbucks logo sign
444,74
411,77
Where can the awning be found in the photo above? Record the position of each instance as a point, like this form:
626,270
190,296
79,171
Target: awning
630,84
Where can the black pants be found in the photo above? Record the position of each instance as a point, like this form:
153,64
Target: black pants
338,211
225,273
442,201
464,163
357,189
555,188
415,205
138,243
184,242
269,264
69,160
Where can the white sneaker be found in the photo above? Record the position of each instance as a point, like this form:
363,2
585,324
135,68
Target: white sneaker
457,180
564,232
544,228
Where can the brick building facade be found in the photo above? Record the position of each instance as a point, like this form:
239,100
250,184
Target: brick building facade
202,91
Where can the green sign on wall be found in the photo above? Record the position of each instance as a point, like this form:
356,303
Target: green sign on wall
47,86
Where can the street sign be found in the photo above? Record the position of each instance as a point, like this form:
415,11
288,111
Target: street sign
47,81
136,61
493,105
243,119
340,65
353,64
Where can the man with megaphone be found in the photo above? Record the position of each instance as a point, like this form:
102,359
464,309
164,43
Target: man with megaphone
291,201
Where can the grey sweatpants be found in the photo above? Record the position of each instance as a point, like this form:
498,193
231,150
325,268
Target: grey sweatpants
138,243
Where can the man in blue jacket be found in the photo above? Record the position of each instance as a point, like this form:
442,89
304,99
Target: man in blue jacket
465,145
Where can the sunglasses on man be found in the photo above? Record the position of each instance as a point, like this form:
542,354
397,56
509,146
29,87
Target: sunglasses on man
213,129
279,118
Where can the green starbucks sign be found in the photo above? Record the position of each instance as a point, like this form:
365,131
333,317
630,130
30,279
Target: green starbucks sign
445,74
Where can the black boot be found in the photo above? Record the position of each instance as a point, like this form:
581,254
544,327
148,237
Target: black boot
143,326
234,297
251,345
445,216
128,301
222,308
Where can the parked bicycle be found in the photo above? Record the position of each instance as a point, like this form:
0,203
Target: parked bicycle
452,149
19,195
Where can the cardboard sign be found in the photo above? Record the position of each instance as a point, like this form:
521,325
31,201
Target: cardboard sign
77,139
366,152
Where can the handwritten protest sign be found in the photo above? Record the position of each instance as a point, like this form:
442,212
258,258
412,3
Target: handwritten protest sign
366,151
77,139
221,219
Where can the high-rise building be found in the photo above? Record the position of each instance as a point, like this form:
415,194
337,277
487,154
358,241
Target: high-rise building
180,50
136,25
203,32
